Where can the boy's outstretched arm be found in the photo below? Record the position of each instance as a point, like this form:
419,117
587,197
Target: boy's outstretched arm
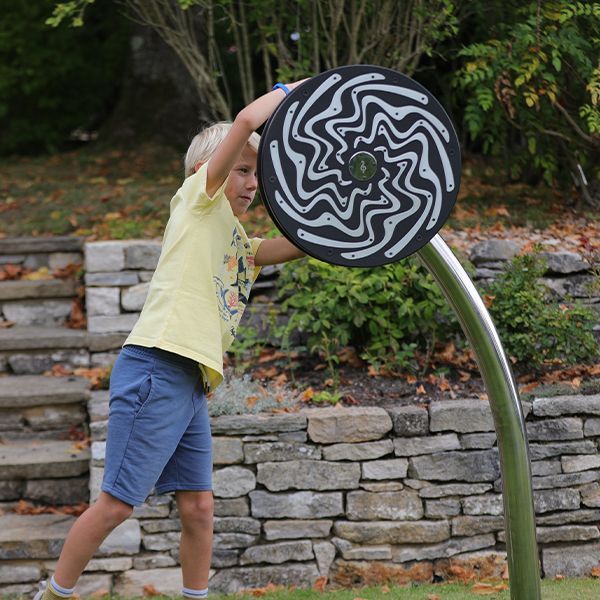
249,119
275,251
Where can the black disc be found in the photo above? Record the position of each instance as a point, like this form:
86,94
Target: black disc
359,166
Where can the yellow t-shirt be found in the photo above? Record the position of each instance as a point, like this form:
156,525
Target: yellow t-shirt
201,285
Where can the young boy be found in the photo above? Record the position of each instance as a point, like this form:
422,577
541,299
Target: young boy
158,428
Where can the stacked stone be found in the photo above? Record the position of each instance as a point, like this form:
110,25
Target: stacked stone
364,495
37,309
117,279
568,274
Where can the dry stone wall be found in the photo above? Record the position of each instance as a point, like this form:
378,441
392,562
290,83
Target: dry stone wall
364,495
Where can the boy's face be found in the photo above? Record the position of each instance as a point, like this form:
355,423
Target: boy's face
242,183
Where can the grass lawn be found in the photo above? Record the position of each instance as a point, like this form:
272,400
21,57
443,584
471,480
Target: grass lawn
567,589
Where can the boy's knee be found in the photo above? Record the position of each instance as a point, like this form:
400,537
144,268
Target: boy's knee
197,507
114,510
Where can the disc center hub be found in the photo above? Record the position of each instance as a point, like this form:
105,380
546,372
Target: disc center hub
363,165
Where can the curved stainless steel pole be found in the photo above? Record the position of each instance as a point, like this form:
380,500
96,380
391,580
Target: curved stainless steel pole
519,514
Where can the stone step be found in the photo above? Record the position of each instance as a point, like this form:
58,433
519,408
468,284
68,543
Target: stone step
38,338
26,245
18,391
33,536
42,460
51,288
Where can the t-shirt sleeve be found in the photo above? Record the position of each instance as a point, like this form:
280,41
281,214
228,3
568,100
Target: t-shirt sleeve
255,243
194,189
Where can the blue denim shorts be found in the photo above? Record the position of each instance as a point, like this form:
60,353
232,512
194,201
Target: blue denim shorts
158,426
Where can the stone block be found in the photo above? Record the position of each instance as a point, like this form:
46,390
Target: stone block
358,452
541,451
37,312
409,420
99,430
278,553
548,430
475,441
566,533
166,581
392,532
426,445
293,436
453,489
232,482
142,255
390,506
590,495
234,540
103,359
133,298
38,362
111,279
144,562
102,301
381,486
52,491
393,468
467,525
591,427
298,505
570,561
494,250
334,425
568,517
481,465
296,528
125,539
490,504
18,590
11,490
43,418
565,480
119,563
571,464
257,424
308,475
16,572
227,451
230,581
543,468
552,500
104,256
224,557
120,323
442,508
567,405
462,416
372,553
162,542
103,342
324,555
564,262
236,525
444,550
280,451
160,525
60,260
232,507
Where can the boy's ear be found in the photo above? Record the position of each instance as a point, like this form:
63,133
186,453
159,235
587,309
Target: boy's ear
197,166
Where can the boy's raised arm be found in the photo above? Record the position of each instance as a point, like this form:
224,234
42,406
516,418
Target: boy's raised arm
249,119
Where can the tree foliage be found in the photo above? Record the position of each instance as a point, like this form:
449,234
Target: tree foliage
533,90
54,82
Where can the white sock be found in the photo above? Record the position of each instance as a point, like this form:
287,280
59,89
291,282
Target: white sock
59,590
196,594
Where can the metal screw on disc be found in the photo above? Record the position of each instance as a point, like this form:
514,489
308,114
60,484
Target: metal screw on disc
359,166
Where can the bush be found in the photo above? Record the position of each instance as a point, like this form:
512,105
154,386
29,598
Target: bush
534,329
388,314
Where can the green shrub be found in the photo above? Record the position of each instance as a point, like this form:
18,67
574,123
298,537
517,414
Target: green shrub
533,327
388,313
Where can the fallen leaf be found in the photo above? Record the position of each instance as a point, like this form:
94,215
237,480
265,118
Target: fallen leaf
6,324
595,571
421,390
150,590
529,387
411,379
488,588
434,597
319,584
464,376
559,577
42,274
99,593
307,395
443,385
385,589
251,401
265,373
328,382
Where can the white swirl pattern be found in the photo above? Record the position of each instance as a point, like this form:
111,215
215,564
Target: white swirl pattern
360,218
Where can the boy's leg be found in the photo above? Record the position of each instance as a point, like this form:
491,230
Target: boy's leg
86,535
196,512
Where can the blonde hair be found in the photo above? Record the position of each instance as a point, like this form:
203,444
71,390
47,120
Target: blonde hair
206,142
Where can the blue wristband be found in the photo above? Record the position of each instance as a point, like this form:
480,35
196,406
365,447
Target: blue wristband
281,87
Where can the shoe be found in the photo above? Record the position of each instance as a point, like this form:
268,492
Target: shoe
40,593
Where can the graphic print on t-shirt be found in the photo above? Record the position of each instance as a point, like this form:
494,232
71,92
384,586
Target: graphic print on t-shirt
233,284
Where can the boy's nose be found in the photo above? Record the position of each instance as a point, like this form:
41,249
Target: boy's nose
253,182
